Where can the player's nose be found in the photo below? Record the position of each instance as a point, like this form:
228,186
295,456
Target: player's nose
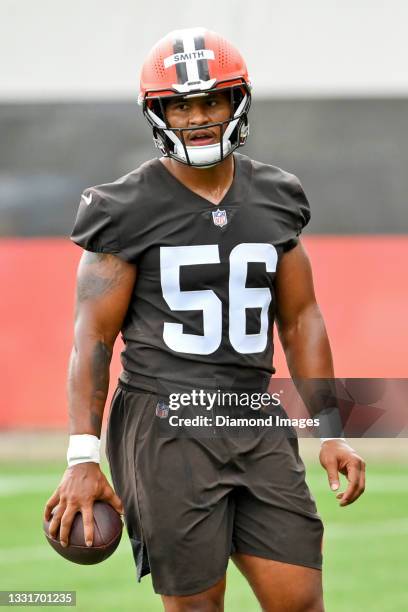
198,114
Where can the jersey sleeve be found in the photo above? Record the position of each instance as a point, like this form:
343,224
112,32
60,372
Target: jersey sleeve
94,228
97,226
298,207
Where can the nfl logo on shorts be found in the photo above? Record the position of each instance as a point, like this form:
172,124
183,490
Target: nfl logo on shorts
162,409
220,218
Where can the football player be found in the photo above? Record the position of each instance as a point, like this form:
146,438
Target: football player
192,257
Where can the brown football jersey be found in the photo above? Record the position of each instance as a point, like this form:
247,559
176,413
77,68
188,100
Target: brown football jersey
203,306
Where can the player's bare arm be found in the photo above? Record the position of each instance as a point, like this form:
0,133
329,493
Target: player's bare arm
302,332
104,287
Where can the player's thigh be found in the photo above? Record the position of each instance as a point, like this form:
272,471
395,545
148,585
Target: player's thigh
179,512
282,587
187,516
275,514
211,600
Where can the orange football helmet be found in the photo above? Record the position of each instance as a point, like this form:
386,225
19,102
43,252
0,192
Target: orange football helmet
195,62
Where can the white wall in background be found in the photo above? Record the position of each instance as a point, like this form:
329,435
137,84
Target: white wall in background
82,49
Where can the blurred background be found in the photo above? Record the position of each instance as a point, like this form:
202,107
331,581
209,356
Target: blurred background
330,104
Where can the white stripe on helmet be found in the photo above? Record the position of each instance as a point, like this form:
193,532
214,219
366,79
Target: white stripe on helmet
187,36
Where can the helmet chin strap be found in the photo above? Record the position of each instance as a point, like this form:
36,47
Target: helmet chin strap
205,154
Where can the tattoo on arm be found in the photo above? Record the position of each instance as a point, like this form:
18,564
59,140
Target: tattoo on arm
96,421
101,357
98,317
100,274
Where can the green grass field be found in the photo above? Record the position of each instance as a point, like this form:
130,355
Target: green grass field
365,554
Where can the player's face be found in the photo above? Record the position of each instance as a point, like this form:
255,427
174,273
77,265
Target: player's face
196,112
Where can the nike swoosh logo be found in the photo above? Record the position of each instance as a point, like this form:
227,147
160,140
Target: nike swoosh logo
88,199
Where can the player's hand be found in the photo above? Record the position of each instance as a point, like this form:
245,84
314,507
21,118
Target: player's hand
80,486
337,456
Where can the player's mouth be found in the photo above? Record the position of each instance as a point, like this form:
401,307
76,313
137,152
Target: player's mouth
201,138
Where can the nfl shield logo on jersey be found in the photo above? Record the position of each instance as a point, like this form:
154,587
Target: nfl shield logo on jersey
162,409
220,218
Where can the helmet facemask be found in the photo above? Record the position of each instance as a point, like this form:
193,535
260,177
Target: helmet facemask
171,141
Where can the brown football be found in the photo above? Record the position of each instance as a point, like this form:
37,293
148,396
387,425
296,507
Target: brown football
107,533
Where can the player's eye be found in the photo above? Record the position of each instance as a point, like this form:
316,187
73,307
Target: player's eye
177,106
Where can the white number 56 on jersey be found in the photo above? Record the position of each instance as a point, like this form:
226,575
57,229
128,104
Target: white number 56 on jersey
240,297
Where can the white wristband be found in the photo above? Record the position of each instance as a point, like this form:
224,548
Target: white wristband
83,448
325,439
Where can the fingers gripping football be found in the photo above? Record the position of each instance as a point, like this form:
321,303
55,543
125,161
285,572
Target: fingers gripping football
80,486
51,504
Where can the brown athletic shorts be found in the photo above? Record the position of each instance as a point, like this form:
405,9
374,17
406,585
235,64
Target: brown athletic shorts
192,501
